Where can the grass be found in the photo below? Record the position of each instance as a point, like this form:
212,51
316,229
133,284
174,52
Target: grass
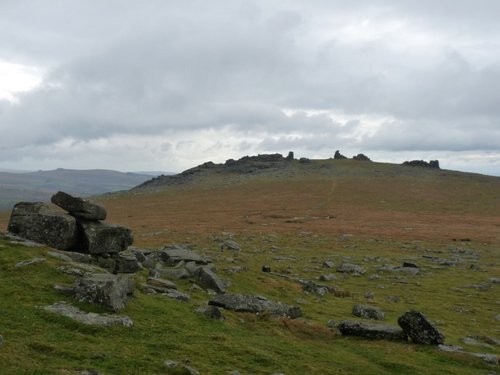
292,223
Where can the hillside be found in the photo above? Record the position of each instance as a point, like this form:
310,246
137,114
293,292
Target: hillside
39,186
303,220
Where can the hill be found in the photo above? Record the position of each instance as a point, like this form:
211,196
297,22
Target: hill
302,220
39,186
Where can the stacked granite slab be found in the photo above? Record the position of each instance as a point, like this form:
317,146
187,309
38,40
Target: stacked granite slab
81,228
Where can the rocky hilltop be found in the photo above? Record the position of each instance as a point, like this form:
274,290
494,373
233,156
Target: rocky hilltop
268,164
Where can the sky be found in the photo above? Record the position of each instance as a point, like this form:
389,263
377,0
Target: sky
167,85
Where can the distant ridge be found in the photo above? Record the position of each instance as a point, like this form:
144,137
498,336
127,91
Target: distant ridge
277,165
41,185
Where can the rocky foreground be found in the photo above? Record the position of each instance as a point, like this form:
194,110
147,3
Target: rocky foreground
101,259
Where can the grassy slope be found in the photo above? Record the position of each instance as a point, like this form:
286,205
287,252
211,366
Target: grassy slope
293,224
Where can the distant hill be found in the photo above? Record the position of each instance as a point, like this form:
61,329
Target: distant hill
41,185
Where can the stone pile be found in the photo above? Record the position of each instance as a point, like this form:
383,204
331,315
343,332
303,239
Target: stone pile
80,229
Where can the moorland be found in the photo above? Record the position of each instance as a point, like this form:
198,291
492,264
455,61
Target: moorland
291,216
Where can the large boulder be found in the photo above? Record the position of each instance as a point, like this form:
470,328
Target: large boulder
79,207
254,304
104,238
37,222
420,329
371,331
107,290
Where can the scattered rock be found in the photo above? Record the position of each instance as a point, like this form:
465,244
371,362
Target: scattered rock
59,255
391,268
36,222
374,331
350,268
30,262
172,273
213,312
89,318
232,245
409,264
174,255
328,264
110,291
368,312
254,304
420,329
327,277
174,367
312,287
162,284
126,262
206,278
468,340
79,207
104,238
491,359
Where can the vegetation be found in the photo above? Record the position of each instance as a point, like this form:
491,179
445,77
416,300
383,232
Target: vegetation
364,213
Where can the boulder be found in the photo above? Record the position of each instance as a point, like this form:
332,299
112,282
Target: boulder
213,312
254,304
368,312
36,222
232,245
88,318
173,255
420,329
126,263
79,207
207,279
110,291
350,268
104,238
373,331
311,287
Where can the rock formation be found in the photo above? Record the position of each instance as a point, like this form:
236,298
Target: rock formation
421,163
78,230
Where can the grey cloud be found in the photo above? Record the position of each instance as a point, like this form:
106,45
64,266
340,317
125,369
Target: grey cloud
128,68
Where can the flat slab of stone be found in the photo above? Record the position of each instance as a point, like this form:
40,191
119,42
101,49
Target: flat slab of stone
30,262
172,256
35,222
254,304
107,290
372,331
420,329
350,268
88,318
104,238
79,207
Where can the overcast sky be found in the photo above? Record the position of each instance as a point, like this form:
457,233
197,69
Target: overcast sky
166,85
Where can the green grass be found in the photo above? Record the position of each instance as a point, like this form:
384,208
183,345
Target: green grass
38,342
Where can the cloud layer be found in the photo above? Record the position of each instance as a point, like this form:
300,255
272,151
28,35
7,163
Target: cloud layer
164,85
